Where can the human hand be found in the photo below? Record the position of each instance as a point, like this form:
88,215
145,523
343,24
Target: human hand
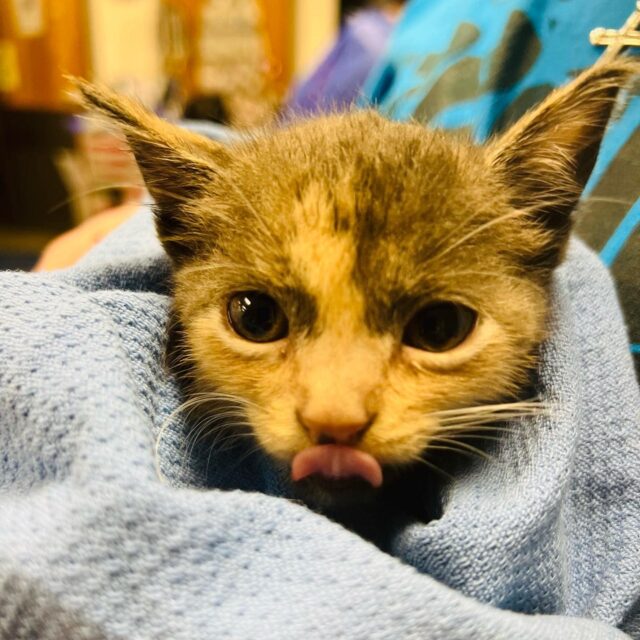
66,249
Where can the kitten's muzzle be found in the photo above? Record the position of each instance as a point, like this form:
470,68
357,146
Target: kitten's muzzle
334,456
335,429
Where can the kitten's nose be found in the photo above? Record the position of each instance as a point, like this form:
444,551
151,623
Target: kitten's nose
328,428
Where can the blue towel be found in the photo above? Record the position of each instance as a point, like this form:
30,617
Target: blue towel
550,525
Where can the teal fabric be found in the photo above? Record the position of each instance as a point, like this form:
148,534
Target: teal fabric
479,65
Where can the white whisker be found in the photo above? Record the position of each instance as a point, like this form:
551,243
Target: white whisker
432,466
481,422
462,445
483,227
223,410
506,410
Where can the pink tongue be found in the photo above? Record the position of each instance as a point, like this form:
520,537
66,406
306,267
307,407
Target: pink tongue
336,461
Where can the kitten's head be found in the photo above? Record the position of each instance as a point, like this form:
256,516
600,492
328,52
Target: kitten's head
350,278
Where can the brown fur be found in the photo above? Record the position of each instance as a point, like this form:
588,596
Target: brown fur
352,223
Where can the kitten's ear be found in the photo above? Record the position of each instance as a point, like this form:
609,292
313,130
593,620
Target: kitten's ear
175,164
546,158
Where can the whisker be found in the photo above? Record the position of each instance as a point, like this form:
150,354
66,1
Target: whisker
495,274
474,436
198,432
481,420
523,407
201,431
465,426
487,424
219,426
438,447
463,445
219,443
192,402
505,415
223,408
214,396
455,231
88,192
258,219
251,451
209,267
483,227
167,193
432,466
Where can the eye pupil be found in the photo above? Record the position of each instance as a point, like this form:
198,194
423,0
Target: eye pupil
439,326
257,317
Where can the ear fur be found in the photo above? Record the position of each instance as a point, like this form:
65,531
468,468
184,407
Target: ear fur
546,158
176,165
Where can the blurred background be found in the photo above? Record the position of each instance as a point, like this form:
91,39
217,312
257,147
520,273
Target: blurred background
241,63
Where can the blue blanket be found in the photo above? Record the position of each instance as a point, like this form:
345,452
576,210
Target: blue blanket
96,542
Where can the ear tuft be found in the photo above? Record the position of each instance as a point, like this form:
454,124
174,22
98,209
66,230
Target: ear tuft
546,158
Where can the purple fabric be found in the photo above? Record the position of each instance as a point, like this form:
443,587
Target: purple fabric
337,82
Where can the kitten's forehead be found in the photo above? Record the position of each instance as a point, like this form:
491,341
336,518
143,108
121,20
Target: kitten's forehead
375,155
364,175
350,207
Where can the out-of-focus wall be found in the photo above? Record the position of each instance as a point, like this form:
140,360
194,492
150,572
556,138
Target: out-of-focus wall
125,51
39,40
277,18
315,26
117,42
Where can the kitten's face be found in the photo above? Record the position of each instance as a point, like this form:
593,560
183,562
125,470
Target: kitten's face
350,279
365,275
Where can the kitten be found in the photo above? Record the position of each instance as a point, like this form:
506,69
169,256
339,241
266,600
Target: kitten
367,290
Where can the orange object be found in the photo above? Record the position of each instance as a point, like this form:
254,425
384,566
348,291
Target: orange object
39,42
278,23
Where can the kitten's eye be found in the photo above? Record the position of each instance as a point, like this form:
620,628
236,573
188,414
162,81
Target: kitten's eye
257,317
440,326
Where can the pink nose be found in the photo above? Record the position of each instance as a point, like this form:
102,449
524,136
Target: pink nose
335,428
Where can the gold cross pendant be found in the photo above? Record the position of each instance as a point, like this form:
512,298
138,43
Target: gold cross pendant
618,39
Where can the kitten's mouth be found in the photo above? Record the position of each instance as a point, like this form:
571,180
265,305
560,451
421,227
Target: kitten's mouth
336,462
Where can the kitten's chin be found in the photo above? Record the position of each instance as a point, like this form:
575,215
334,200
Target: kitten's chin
332,475
326,494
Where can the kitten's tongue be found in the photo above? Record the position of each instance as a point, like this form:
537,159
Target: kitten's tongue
336,461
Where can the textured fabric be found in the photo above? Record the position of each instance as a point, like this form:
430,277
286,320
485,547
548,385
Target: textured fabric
479,65
27,613
550,525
